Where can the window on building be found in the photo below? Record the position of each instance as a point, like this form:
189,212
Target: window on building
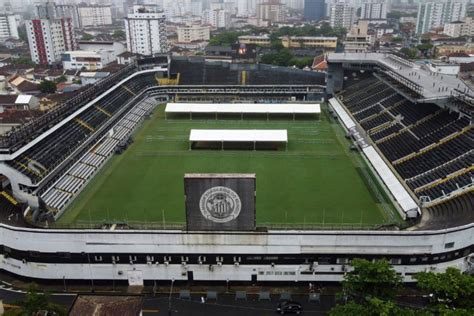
449,245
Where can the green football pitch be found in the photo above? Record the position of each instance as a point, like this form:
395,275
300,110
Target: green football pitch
318,180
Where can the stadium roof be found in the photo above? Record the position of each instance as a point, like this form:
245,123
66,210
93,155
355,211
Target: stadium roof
346,119
402,196
275,108
430,85
238,135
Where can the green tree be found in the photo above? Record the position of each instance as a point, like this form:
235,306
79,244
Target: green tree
35,302
22,33
87,37
375,307
425,48
409,52
275,41
47,86
398,14
22,61
118,34
280,58
371,279
451,288
301,62
61,79
225,38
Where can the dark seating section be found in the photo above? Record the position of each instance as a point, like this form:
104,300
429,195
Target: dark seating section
368,112
448,185
352,86
52,150
365,96
357,105
400,145
196,71
393,100
411,113
442,171
393,129
436,122
376,121
431,142
437,156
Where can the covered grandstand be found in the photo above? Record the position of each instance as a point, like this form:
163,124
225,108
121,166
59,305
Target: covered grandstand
427,142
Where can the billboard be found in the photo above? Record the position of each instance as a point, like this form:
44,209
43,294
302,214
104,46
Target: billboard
220,201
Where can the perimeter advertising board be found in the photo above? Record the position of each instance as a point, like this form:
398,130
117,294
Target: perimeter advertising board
220,201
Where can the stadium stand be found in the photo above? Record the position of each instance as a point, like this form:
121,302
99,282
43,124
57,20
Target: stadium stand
10,209
453,212
40,159
29,131
196,71
67,186
431,148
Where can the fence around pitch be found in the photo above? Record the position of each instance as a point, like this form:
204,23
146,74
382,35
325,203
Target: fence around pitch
142,225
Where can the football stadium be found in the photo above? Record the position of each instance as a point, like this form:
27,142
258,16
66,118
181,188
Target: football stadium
188,170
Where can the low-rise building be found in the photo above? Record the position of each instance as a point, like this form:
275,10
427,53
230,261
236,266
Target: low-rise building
126,58
259,40
92,77
460,58
13,43
193,33
113,47
21,85
408,19
50,74
444,68
380,30
86,59
358,40
327,43
447,49
320,64
13,119
18,102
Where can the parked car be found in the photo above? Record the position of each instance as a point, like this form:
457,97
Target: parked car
289,307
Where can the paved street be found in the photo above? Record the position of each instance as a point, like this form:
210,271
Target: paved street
227,305
11,295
